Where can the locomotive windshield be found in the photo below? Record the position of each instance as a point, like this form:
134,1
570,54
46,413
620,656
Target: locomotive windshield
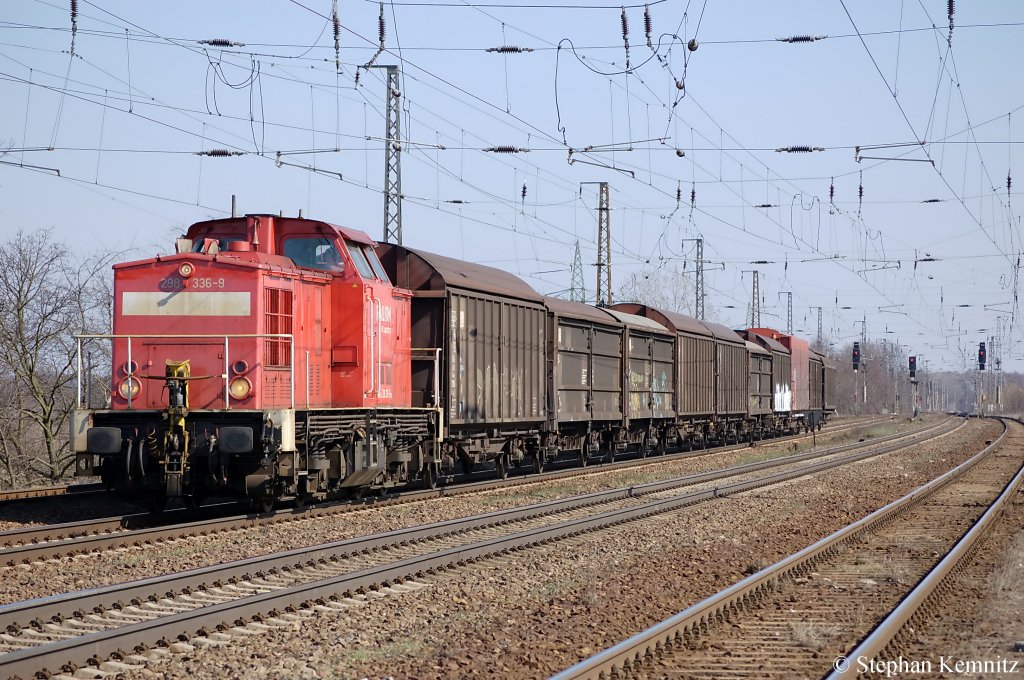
314,252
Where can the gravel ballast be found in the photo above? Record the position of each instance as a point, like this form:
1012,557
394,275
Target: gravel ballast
533,613
132,563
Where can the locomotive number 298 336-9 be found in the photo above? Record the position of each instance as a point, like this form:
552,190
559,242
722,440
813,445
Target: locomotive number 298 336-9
178,283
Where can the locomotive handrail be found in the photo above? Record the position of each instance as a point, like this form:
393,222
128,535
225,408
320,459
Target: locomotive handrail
227,361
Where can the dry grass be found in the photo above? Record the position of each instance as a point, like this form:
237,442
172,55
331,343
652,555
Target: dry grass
814,636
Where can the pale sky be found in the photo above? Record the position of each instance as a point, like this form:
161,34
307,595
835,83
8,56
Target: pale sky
928,258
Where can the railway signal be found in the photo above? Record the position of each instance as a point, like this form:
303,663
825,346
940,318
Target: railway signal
981,356
913,366
856,357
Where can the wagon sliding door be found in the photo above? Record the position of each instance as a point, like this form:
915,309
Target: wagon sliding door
496,363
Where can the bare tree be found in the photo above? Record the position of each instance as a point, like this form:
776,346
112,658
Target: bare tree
668,287
46,295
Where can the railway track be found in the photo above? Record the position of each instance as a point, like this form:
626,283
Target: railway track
58,540
50,491
801,616
60,633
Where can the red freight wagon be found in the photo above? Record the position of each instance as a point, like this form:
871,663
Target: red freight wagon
807,376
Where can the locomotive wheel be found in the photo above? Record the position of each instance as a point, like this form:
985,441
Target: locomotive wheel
157,503
501,466
301,501
107,471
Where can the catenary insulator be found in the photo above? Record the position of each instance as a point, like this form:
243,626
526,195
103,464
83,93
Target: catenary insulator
1009,183
951,6
380,26
802,38
74,23
505,149
832,191
932,200
679,195
509,49
625,35
523,194
220,153
221,42
693,196
647,25
799,149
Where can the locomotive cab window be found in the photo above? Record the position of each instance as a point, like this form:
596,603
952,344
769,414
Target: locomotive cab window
378,268
222,242
359,259
314,252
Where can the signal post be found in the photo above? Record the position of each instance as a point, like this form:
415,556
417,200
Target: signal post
914,384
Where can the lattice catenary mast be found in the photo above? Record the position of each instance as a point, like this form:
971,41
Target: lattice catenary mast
392,158
755,304
577,288
604,245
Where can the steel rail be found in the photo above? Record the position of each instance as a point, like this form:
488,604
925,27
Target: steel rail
49,491
885,639
632,653
57,540
103,644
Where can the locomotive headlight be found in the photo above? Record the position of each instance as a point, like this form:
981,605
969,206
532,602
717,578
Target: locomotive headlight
129,386
240,388
186,269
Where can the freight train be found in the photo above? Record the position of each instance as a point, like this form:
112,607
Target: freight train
286,358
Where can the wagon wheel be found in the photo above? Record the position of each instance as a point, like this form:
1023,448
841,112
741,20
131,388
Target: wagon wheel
301,501
430,475
584,453
501,466
263,504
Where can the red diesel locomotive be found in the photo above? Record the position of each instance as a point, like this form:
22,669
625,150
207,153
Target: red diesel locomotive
276,357
268,357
